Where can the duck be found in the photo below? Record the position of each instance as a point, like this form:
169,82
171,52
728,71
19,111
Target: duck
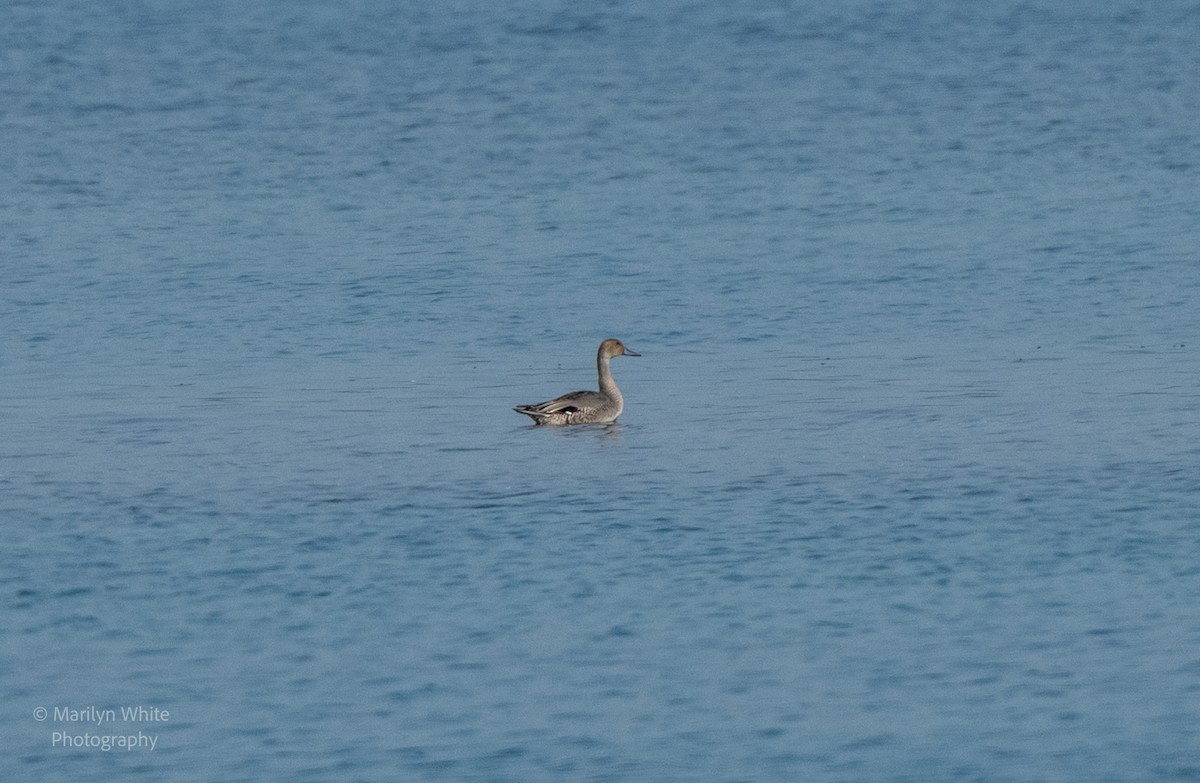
585,407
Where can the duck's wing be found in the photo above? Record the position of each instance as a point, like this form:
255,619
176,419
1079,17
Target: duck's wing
568,403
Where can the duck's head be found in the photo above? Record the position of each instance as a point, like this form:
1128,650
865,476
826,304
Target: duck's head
610,348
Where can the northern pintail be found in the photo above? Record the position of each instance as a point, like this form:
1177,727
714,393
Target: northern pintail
585,407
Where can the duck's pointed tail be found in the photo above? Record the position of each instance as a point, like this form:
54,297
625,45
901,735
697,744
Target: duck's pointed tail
537,416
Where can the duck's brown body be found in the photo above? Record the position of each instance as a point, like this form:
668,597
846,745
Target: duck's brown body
585,407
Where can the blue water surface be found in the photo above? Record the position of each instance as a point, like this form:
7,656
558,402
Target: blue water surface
907,487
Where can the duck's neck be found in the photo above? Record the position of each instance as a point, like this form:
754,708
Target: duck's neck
607,384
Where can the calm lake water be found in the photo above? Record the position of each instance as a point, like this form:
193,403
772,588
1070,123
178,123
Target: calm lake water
907,487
